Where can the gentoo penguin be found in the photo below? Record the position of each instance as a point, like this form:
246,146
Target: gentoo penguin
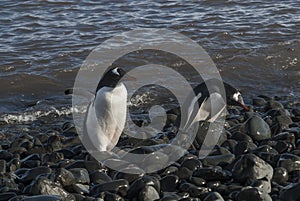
198,105
106,114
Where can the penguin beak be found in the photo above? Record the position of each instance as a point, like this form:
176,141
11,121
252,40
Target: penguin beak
242,104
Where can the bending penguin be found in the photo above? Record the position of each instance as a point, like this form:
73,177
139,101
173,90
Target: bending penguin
199,104
106,114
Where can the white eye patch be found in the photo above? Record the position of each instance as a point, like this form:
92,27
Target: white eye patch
236,96
115,71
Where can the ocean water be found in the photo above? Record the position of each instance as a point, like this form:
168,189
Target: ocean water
254,44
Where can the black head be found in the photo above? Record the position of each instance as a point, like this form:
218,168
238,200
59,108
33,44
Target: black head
111,78
234,96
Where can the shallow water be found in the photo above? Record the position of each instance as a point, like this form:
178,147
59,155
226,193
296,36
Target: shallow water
255,44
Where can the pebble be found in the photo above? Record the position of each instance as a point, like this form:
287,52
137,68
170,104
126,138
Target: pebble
291,192
252,193
256,128
280,175
290,162
169,183
148,193
81,175
120,186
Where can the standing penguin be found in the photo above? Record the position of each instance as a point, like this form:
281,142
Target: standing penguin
106,114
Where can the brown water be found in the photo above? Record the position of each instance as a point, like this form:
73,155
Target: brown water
255,44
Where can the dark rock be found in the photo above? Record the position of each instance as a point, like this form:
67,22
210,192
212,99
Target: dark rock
169,183
14,164
108,196
218,159
282,146
212,174
116,186
285,136
99,177
194,191
44,186
78,188
244,147
280,175
140,184
289,161
184,173
262,184
89,165
213,196
6,196
31,174
149,193
283,121
129,173
291,193
272,104
81,175
256,128
5,155
192,164
43,198
64,177
230,144
197,181
2,166
257,101
250,166
250,194
238,136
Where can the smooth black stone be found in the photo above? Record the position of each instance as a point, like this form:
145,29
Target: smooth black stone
43,198
130,174
140,184
78,188
265,148
256,128
283,121
149,193
108,196
14,164
2,166
212,174
169,170
5,155
116,186
282,147
280,175
250,194
213,196
31,163
296,111
238,136
99,177
169,183
272,104
244,147
250,166
192,164
257,101
64,177
184,173
44,186
291,193
219,151
6,196
230,144
31,174
289,161
270,158
285,136
264,185
218,159
213,184
198,181
194,191
81,175
67,153
54,143
89,165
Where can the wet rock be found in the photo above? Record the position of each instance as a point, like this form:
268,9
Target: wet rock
257,101
116,186
213,196
89,165
289,161
250,166
291,193
99,177
244,147
43,197
78,188
264,185
283,121
140,184
194,191
197,181
256,128
31,174
129,173
218,159
81,175
64,177
14,164
44,186
280,175
192,164
184,173
212,173
238,136
149,193
5,155
169,183
2,166
250,194
6,196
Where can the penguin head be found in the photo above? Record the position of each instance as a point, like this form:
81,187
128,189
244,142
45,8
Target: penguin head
111,78
234,97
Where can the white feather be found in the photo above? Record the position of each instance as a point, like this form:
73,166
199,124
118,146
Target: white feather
106,117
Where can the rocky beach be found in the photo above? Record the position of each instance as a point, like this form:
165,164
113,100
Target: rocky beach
257,158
